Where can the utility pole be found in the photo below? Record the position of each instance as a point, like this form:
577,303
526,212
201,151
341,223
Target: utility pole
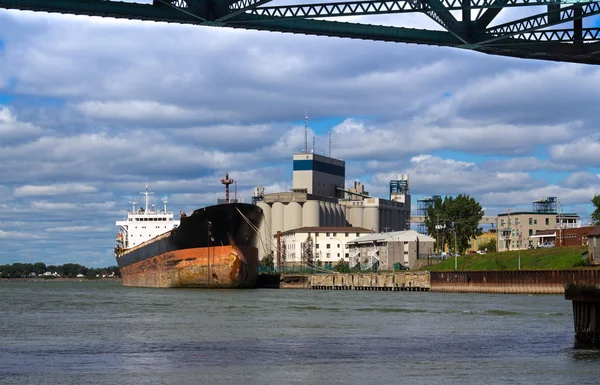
509,232
520,244
559,227
455,250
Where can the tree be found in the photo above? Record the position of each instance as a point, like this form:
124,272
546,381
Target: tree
454,217
489,246
595,217
268,261
39,268
342,266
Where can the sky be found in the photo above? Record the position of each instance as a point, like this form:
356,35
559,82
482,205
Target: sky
92,109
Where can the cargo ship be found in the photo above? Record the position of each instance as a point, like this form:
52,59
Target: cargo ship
214,247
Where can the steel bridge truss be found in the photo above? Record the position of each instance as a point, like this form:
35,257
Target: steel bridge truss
557,34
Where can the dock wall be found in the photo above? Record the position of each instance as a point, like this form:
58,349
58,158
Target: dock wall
402,281
520,281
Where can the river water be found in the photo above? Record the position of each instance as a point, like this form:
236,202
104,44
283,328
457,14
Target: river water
103,333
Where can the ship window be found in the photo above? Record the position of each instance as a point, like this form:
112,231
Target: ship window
347,235
328,246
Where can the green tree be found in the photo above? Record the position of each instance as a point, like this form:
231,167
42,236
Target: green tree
39,268
595,217
454,217
489,246
268,261
342,266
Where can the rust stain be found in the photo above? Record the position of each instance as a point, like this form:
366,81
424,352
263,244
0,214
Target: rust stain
219,266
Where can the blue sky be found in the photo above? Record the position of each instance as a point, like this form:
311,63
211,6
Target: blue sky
92,109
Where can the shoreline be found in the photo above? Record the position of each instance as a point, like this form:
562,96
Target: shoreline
62,279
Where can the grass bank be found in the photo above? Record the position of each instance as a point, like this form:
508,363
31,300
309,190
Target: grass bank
555,258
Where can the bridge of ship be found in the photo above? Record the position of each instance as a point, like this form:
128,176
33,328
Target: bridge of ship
558,33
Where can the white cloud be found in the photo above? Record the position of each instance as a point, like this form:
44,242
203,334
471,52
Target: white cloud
584,151
57,189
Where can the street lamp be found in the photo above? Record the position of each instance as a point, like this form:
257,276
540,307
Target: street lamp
342,246
455,248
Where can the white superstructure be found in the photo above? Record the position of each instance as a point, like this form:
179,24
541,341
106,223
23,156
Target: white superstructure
144,223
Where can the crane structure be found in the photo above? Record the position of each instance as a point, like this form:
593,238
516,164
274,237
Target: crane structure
557,33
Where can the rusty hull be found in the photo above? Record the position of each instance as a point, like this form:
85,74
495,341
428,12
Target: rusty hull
203,267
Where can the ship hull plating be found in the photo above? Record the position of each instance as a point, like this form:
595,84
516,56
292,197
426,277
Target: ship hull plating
208,267
214,247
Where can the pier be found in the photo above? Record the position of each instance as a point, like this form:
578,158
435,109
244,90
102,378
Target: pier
586,314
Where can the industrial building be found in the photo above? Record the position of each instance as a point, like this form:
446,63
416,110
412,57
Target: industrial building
321,246
408,248
523,229
423,206
319,199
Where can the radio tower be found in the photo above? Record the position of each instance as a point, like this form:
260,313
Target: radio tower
306,131
227,182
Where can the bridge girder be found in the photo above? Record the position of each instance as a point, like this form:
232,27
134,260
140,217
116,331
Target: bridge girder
557,34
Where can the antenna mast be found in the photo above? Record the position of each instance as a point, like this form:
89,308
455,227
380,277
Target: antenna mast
330,144
165,203
147,194
227,182
306,131
313,149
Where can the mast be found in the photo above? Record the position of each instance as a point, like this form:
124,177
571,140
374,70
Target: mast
306,131
227,182
147,194
165,204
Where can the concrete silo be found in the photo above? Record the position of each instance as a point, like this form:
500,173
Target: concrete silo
344,211
371,218
356,216
310,214
265,241
322,214
330,214
292,216
339,217
277,212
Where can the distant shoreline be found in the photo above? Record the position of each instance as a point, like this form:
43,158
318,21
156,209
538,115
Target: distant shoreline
2,280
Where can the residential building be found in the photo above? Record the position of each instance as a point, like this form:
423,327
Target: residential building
520,230
484,238
594,245
409,248
322,246
577,236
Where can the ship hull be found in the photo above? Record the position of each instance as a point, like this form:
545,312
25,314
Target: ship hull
209,267
215,247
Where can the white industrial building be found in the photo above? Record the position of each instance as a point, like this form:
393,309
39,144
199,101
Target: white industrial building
322,246
320,199
409,248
